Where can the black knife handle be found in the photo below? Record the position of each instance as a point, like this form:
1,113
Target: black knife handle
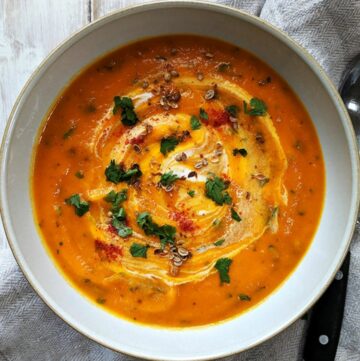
326,318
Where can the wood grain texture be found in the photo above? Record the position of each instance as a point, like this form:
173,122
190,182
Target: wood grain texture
29,30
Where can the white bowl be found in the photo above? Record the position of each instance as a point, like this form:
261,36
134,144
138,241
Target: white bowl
333,126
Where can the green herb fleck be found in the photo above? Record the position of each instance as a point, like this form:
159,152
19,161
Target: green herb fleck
257,107
101,300
195,122
79,174
235,216
116,173
69,132
168,144
167,179
233,110
216,222
122,229
191,193
128,115
223,265
242,151
222,67
244,297
215,189
81,207
139,250
219,242
203,114
166,233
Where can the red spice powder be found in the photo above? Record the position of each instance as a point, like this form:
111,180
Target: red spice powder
108,251
185,223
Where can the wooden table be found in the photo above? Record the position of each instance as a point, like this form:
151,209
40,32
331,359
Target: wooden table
29,31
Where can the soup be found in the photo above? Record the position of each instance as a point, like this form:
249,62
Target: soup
177,181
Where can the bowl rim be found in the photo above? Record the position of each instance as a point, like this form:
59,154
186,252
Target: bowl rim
202,5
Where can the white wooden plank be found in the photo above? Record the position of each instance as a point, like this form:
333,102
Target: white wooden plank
103,7
29,30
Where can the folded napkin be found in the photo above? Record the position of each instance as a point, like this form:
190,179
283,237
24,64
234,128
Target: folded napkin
29,330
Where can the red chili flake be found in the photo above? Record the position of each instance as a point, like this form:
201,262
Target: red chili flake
108,251
138,140
185,223
217,118
112,229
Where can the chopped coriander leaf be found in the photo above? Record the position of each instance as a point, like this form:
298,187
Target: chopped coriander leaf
232,110
223,265
191,193
122,229
242,151
235,216
223,67
195,122
81,207
167,179
119,213
257,107
166,233
116,197
69,132
79,174
128,115
244,297
219,242
215,189
101,300
138,250
116,173
203,114
168,144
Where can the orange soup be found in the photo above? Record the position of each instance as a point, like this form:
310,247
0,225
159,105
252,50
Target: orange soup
178,181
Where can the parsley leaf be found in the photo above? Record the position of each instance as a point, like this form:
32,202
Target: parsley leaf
223,265
122,229
215,189
168,144
81,207
128,115
116,197
167,179
244,297
242,151
116,173
166,233
79,174
191,193
235,216
257,107
195,122
219,242
232,110
138,250
203,114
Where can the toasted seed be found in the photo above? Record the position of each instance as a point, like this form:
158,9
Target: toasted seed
209,55
233,119
173,51
205,162
218,152
174,73
210,94
200,76
214,159
174,270
181,157
169,188
167,76
137,148
109,213
192,174
145,84
198,165
183,252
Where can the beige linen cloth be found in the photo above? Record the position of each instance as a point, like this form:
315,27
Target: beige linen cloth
29,330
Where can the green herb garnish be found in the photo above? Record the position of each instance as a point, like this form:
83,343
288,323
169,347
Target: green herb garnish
168,144
195,122
79,174
81,207
232,110
166,233
122,229
219,242
138,250
116,197
242,151
128,115
215,189
257,107
116,173
222,67
167,179
191,193
244,297
235,216
223,265
69,132
203,114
